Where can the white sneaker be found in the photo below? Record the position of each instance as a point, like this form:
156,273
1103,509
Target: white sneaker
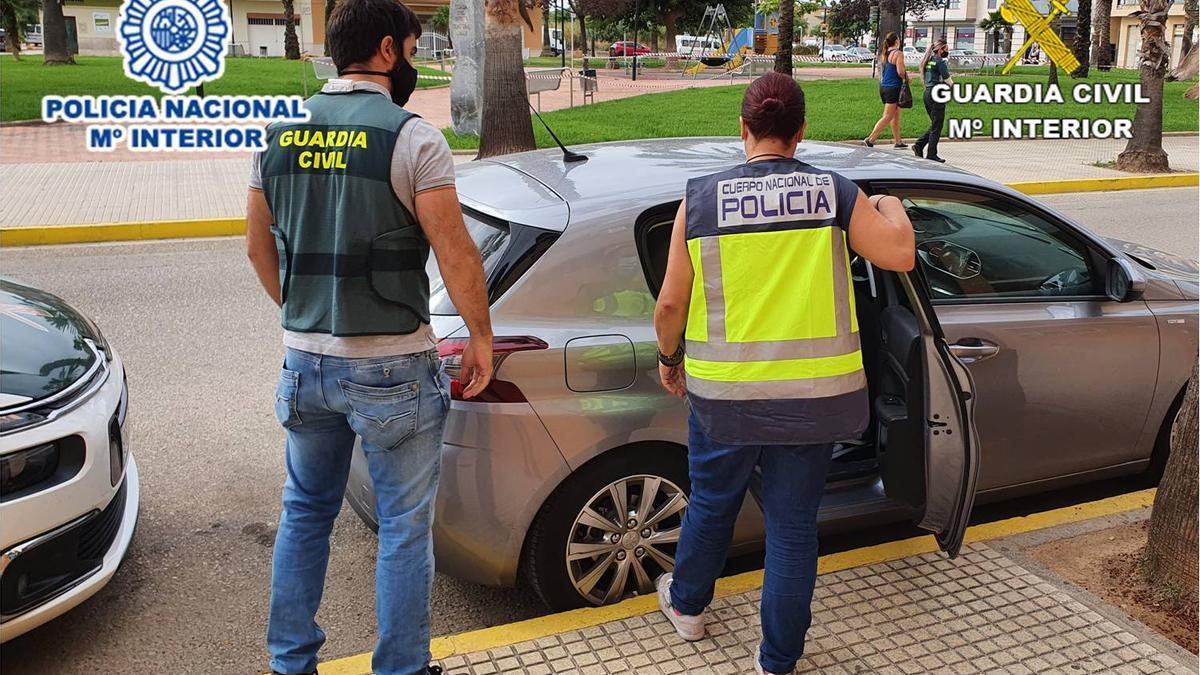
690,628
758,664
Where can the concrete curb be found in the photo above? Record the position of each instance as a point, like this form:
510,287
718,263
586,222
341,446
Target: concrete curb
533,629
42,235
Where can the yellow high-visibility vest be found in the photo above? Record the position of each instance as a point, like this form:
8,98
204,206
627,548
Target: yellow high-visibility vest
773,353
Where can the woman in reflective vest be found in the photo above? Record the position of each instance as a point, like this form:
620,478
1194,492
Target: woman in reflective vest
756,327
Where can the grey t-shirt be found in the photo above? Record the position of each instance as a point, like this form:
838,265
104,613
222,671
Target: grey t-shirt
420,162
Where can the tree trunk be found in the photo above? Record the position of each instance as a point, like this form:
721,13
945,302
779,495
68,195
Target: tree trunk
783,53
582,31
1190,10
1144,152
1083,37
11,28
546,47
891,18
329,5
1101,17
654,40
505,126
54,35
671,26
1171,549
291,44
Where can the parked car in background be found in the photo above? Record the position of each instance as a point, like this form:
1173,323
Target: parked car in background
627,49
833,52
962,52
859,55
1067,352
913,54
69,489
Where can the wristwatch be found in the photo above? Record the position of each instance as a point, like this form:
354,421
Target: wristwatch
672,360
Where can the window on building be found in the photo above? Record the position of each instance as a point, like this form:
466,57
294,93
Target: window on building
964,37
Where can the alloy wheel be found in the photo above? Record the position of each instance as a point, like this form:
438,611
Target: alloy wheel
624,537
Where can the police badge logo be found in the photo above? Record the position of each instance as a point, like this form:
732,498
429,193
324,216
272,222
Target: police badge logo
173,44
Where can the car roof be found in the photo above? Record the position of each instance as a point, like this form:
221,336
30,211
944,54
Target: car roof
654,171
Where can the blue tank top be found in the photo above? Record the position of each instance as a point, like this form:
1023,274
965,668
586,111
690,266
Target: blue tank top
890,77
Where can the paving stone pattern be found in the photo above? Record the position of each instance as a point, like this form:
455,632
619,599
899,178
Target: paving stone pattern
981,613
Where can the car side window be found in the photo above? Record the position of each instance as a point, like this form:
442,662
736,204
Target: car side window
981,246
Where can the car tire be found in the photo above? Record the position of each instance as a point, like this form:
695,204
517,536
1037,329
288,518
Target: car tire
545,565
1162,443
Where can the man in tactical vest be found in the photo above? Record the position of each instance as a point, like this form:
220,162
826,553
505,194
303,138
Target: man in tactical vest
756,327
343,210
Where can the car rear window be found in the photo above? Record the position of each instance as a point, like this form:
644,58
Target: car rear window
507,250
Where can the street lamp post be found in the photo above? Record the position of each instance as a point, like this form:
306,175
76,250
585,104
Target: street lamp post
824,26
944,8
635,38
562,34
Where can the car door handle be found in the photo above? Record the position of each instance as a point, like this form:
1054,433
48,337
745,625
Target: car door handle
972,350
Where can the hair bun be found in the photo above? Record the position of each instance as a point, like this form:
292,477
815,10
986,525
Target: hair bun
772,105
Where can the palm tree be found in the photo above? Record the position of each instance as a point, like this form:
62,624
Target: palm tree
291,43
1190,10
998,26
504,123
1083,37
1101,16
1170,554
1144,152
15,14
54,35
329,5
783,52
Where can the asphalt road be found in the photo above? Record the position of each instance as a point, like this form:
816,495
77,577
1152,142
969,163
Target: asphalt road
201,344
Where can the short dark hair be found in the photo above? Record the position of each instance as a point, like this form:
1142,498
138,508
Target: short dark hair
773,107
356,27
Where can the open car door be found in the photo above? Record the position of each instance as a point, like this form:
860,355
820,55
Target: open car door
924,399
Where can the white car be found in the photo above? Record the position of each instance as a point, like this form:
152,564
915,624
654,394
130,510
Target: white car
69,490
833,52
859,55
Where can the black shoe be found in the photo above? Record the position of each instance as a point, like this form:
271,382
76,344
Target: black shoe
939,160
433,670
918,150
901,145
868,142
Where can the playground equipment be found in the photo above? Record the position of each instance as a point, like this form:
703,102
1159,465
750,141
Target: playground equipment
736,44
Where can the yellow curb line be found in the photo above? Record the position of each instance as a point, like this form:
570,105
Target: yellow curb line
81,234
577,619
41,235
1107,184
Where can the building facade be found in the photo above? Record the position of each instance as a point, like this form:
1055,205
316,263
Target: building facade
258,26
958,21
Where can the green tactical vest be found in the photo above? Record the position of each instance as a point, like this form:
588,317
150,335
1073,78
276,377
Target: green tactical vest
351,256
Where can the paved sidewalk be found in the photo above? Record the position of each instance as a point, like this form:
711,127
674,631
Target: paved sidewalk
68,193
981,613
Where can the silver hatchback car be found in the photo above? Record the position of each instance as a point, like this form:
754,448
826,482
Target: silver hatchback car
1025,353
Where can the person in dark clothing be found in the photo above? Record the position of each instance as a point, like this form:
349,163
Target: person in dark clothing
934,71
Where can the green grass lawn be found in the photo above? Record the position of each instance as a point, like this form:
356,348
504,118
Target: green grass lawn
23,84
837,110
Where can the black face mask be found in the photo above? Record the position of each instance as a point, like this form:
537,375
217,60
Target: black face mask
403,79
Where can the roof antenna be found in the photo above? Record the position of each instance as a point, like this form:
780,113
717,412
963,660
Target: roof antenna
568,156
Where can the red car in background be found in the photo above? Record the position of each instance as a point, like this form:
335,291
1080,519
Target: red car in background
627,49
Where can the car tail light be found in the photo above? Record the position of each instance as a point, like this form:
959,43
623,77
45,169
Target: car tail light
497,391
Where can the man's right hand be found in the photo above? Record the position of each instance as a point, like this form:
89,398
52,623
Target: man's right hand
476,366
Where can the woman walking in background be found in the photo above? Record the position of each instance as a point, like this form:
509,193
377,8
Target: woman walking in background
934,71
894,76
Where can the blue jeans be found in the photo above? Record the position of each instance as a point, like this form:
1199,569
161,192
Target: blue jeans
397,405
793,478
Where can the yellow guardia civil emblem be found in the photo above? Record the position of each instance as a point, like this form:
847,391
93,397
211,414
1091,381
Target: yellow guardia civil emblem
1038,27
